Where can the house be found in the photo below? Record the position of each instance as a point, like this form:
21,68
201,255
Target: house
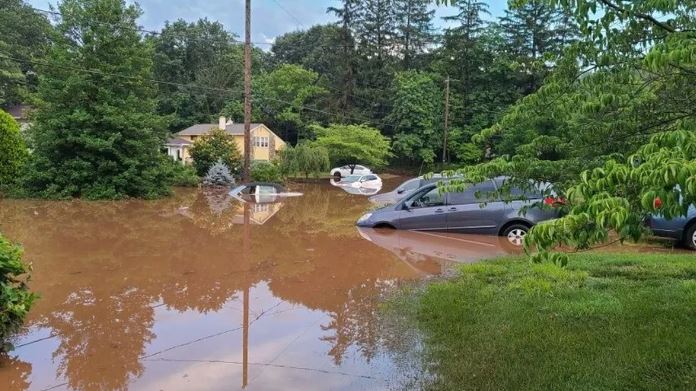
264,143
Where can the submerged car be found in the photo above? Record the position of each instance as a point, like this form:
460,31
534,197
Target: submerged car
258,192
405,189
344,171
427,209
682,229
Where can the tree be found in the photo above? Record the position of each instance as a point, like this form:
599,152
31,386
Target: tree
218,175
216,145
537,33
305,158
194,55
15,297
417,116
24,40
348,16
353,144
282,96
414,28
13,150
96,134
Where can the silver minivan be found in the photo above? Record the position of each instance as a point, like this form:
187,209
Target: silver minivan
427,209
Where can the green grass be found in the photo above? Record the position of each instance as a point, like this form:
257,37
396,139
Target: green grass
606,322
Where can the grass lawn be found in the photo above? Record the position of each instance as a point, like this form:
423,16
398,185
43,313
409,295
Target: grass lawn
606,322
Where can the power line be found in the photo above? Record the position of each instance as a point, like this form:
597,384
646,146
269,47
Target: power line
192,85
142,30
289,13
101,73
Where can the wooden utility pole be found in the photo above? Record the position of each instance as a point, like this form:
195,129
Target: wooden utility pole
444,139
247,92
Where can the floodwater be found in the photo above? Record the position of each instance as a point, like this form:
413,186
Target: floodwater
202,292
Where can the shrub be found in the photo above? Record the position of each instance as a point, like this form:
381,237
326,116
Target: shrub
265,172
304,159
182,175
15,298
218,175
13,151
217,145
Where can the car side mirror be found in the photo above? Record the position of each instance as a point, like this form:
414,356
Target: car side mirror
407,205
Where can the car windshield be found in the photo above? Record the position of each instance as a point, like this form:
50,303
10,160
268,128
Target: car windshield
351,178
238,189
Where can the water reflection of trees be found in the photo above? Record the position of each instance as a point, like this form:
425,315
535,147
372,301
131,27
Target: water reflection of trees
109,263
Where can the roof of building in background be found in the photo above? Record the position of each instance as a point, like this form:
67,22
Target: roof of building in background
202,129
175,142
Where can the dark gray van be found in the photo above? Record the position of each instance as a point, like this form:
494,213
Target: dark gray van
426,209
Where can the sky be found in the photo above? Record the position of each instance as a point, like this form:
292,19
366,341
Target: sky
270,18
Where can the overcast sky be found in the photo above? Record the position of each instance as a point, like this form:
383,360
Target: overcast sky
270,18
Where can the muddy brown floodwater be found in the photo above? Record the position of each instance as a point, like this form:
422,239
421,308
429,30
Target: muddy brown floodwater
202,292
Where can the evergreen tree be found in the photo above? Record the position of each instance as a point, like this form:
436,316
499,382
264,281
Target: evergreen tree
348,17
414,28
218,175
534,31
96,134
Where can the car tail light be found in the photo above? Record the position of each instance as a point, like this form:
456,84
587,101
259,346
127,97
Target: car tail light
555,202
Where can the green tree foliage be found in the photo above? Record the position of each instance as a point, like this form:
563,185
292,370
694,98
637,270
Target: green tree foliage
181,174
414,29
353,144
13,150
203,64
15,297
305,159
280,101
536,33
216,145
24,39
266,172
417,115
96,134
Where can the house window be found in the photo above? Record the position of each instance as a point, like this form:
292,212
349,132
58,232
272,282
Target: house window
261,142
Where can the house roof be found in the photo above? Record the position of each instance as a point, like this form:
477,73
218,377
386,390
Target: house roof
202,129
19,111
177,142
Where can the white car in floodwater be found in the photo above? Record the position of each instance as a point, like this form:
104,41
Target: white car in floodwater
345,171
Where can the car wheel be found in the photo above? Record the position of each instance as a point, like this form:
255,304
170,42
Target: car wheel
515,234
337,175
690,237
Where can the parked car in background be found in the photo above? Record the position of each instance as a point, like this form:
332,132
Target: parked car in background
682,229
427,209
348,170
405,189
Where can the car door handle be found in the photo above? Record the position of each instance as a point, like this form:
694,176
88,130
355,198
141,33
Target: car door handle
439,210
452,209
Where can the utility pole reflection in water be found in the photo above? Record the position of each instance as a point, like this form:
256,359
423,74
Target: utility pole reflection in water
246,248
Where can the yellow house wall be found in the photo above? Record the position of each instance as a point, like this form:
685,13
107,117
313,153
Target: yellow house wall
258,153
